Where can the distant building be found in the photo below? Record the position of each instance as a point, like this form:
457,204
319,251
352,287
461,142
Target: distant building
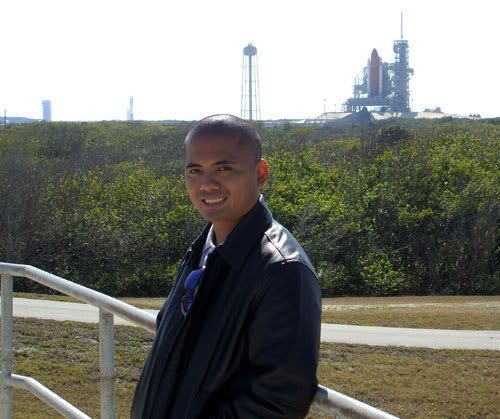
47,110
364,116
130,110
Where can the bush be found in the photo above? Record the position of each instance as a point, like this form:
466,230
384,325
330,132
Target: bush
380,210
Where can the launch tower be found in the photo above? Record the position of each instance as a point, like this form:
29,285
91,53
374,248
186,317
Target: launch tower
250,98
385,85
402,72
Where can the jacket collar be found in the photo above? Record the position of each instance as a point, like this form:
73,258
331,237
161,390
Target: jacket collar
241,240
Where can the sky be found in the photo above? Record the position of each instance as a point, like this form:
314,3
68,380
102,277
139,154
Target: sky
183,59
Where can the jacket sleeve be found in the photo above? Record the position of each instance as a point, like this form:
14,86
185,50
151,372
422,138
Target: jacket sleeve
283,337
178,276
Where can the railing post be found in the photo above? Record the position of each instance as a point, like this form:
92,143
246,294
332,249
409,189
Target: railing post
6,324
107,364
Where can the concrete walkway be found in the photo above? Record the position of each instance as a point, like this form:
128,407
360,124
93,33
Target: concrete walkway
421,338
379,336
60,310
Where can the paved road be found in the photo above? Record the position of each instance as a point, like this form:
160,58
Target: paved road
423,338
380,336
59,310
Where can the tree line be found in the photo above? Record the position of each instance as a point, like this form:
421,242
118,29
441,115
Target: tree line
381,209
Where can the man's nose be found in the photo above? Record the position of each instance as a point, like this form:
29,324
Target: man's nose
209,183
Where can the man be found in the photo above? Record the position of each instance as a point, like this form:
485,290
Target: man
238,336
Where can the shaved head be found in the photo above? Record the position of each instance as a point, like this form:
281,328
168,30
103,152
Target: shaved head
228,126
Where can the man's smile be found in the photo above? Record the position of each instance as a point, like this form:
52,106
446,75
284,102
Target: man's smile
213,201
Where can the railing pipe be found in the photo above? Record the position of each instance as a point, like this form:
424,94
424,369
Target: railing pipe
338,403
107,364
44,394
347,407
6,323
112,305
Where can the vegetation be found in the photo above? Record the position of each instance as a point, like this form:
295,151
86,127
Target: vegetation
405,382
381,210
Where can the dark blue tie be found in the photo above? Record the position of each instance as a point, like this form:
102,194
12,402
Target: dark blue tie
190,285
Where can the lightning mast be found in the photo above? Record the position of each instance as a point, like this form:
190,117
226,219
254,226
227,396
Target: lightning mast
130,113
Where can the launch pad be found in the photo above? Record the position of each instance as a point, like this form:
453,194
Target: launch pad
384,85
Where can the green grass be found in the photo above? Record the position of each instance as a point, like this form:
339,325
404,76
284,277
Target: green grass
448,312
64,356
406,382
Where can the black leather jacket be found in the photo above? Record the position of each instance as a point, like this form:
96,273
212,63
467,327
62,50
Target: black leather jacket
249,346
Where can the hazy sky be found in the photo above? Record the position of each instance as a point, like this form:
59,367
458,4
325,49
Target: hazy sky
182,59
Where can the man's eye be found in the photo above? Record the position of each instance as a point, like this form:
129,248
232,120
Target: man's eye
193,171
225,168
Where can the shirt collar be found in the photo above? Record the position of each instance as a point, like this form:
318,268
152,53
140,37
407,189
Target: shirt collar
209,242
241,240
245,235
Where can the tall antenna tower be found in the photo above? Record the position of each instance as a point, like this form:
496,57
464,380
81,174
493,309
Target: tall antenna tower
401,25
130,110
250,96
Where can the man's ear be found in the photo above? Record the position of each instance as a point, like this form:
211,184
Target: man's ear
262,172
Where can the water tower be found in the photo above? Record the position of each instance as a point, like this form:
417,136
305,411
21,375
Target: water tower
250,99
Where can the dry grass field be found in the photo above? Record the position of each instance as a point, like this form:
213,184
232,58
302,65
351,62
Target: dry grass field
405,382
453,312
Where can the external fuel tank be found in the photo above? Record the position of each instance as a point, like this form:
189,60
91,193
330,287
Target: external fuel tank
374,75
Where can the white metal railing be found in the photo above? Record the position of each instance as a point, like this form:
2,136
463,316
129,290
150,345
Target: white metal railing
338,404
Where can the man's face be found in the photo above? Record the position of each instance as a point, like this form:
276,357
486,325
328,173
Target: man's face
223,178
